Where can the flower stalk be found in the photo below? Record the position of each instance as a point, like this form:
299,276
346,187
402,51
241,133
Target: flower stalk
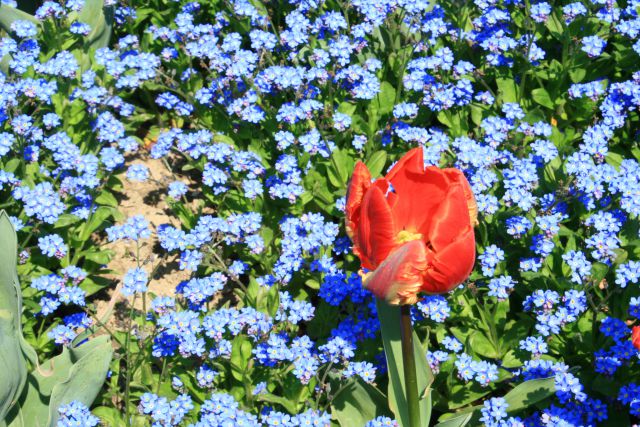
409,365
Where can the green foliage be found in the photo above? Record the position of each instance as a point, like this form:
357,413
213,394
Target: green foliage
32,399
356,402
94,13
13,348
524,396
390,330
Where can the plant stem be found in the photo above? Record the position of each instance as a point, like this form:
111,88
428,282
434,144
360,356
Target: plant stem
409,365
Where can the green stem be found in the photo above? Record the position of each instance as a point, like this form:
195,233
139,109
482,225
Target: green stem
409,365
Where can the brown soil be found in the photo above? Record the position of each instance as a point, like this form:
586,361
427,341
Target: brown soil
148,199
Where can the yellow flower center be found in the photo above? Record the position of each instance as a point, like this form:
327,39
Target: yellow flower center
405,236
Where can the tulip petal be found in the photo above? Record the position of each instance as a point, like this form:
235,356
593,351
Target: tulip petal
449,219
635,337
412,161
399,278
418,192
456,175
359,184
451,265
374,235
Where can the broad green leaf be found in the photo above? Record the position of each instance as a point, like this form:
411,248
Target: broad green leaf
9,14
76,374
554,24
390,329
347,108
13,347
99,256
65,220
100,19
357,403
96,220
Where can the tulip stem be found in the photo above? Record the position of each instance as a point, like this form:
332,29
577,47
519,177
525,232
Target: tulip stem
409,365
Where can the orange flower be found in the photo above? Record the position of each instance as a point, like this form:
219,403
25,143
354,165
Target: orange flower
635,337
413,229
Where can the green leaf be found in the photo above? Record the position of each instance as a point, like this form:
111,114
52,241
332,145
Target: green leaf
507,89
111,416
462,418
339,168
100,19
99,256
521,397
76,374
482,345
9,14
273,301
542,97
384,101
598,271
108,199
65,220
287,404
376,162
13,347
390,329
528,393
357,403
555,26
96,220
240,356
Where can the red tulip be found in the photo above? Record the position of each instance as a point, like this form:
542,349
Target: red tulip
413,229
635,337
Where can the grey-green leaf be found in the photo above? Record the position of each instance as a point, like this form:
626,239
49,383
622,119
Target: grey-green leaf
100,19
357,403
13,348
9,14
76,374
390,328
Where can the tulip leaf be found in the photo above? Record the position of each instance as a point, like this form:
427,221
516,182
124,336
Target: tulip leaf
390,329
13,347
100,18
75,374
10,14
357,402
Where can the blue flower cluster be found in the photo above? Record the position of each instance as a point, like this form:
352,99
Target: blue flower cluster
258,111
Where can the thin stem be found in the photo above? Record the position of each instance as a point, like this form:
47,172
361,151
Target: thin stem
409,365
164,369
128,363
